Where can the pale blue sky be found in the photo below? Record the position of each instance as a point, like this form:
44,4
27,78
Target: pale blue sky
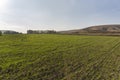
21,15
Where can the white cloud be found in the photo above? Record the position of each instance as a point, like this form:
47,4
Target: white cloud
4,5
21,15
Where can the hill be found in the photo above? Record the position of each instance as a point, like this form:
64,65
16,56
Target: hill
96,30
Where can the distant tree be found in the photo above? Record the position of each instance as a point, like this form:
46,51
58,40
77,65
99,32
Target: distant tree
0,33
29,31
11,32
20,33
51,32
41,32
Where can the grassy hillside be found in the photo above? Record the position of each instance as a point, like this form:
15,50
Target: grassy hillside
96,30
59,57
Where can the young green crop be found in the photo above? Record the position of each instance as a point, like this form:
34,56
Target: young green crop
59,57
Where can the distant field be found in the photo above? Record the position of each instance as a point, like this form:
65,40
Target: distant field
59,57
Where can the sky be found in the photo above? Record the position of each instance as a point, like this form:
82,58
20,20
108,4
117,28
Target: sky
22,15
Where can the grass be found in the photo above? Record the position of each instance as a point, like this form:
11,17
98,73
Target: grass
59,57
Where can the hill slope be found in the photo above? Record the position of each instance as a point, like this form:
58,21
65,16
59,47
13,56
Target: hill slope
113,29
103,28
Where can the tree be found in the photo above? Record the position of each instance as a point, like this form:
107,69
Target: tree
11,32
41,32
51,32
0,33
29,32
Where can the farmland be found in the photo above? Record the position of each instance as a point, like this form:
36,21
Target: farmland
59,57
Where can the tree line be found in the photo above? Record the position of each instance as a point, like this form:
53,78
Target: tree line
41,32
9,32
0,33
30,32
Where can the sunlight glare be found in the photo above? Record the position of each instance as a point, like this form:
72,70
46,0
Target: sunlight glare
3,4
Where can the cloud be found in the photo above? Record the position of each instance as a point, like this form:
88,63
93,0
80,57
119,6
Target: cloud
59,14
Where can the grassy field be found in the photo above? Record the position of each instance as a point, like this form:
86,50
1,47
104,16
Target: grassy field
59,57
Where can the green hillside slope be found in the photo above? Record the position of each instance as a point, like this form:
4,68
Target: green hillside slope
59,57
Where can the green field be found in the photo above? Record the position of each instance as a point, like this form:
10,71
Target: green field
59,57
